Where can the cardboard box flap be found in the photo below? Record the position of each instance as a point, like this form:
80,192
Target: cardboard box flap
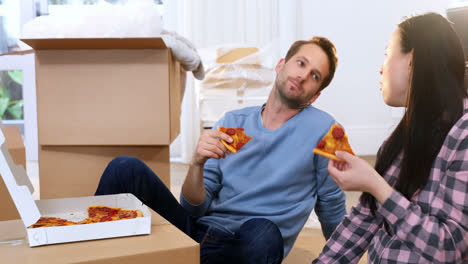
18,184
19,52
96,43
13,136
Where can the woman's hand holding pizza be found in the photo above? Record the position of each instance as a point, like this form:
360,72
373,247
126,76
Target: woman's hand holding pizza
355,174
209,146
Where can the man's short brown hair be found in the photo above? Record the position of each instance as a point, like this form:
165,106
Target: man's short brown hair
329,49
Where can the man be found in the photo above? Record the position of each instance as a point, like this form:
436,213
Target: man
249,207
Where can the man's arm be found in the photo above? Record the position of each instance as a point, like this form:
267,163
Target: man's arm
331,201
209,146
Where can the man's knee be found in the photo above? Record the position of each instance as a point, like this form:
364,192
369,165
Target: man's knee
263,238
125,162
117,177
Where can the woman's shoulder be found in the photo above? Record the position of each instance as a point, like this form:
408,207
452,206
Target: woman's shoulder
460,128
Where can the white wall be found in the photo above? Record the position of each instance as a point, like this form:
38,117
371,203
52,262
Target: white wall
360,29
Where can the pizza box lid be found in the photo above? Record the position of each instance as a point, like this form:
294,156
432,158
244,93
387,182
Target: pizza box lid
20,188
18,184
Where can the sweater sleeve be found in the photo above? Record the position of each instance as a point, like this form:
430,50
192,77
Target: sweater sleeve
331,201
212,180
352,237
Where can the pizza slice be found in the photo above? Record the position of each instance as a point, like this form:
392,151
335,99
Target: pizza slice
96,214
334,140
99,213
239,138
51,221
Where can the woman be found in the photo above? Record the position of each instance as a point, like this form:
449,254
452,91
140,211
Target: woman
415,203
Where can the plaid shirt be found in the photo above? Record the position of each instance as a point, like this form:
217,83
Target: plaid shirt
430,228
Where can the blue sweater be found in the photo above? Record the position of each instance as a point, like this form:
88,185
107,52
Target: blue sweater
275,176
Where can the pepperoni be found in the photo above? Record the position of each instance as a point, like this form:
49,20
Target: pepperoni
113,213
338,132
93,214
105,219
321,144
231,131
105,209
127,215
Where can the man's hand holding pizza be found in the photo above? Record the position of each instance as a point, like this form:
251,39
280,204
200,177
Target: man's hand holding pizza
210,146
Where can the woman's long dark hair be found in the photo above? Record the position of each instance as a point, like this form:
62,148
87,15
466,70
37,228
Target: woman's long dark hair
434,102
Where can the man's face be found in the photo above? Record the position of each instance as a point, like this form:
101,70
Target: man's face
299,79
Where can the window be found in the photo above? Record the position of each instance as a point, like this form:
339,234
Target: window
11,95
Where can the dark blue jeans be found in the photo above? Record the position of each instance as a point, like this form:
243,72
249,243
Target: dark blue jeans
257,241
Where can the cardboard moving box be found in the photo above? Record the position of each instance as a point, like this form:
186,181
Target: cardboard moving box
15,145
98,99
106,92
71,171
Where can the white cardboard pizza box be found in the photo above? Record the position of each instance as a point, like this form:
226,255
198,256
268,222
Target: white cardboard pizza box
73,209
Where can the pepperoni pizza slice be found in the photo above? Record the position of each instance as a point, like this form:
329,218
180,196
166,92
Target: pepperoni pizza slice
96,214
99,213
239,138
51,221
334,140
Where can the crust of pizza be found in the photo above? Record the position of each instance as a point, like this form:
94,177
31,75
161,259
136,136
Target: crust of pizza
139,214
231,148
326,155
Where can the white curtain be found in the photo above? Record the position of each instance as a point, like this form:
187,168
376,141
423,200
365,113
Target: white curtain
214,22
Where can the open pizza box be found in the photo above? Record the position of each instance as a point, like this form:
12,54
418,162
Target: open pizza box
73,209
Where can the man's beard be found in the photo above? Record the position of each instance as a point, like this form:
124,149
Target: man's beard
291,102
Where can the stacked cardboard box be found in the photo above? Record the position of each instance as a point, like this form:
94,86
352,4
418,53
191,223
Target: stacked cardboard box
98,99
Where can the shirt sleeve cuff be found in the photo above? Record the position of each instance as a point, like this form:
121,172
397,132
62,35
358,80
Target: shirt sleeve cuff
195,210
395,208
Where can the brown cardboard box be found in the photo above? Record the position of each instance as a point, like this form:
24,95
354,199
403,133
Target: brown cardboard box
102,98
14,143
106,92
165,244
73,171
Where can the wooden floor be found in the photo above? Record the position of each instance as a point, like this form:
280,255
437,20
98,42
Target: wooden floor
309,242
